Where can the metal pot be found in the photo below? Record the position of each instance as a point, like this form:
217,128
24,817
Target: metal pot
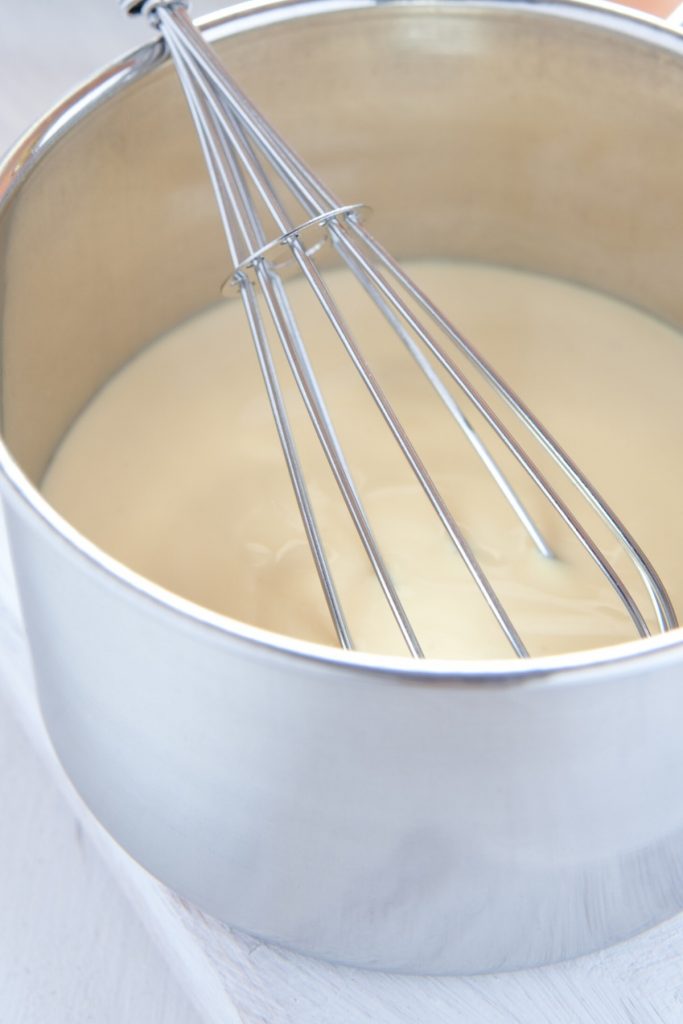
441,817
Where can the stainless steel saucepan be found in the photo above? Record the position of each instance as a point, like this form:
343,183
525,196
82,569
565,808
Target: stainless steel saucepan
441,817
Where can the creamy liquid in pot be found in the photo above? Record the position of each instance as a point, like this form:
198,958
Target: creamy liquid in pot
175,469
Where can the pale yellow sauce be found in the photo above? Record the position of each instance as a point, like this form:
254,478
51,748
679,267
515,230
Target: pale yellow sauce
175,468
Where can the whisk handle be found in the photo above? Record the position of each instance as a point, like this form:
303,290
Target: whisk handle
149,6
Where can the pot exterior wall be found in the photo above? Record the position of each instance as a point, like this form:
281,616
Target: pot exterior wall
384,822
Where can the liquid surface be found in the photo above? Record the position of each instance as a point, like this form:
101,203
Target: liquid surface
175,469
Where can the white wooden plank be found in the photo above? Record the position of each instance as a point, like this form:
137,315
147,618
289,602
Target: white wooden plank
71,948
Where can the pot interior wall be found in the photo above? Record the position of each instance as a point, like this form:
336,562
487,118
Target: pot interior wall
542,138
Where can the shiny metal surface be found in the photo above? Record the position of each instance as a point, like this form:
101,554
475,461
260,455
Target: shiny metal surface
440,817
147,7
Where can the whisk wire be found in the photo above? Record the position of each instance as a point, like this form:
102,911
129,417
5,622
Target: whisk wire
452,406
314,196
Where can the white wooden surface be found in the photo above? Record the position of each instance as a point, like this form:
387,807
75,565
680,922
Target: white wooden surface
70,949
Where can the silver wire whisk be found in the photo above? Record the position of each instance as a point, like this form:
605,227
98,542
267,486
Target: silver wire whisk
269,202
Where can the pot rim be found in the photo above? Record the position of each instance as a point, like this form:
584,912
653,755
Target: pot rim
559,669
